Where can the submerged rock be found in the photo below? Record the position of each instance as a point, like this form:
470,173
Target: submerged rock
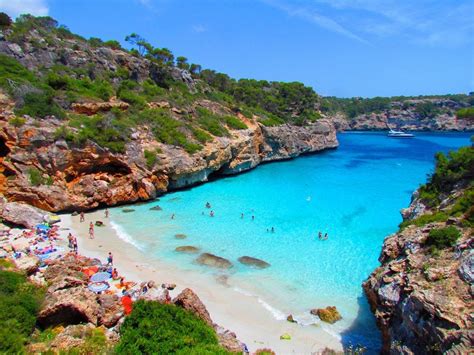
248,260
156,208
212,260
128,210
329,314
180,236
187,249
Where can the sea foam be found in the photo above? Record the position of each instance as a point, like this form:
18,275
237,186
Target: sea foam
127,238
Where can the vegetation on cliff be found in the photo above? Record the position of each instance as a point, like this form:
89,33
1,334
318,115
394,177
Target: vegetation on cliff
155,328
19,304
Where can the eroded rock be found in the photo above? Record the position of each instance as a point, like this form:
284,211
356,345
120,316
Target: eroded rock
212,260
329,314
250,261
187,249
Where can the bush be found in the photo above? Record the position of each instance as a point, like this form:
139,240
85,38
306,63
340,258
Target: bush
211,122
466,113
154,328
425,219
443,237
5,20
40,104
17,121
21,299
234,122
150,158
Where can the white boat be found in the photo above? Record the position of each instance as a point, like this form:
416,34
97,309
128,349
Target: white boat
399,134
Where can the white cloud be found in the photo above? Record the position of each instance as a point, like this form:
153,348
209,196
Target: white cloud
18,7
199,28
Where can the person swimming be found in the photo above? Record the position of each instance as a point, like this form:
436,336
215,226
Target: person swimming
273,230
208,205
242,216
325,236
172,216
320,235
253,217
211,214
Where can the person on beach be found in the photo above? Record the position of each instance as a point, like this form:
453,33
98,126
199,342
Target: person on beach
106,213
69,240
91,231
211,214
115,274
110,259
74,245
208,205
82,218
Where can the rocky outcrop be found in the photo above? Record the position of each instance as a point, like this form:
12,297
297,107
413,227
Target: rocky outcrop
250,261
21,214
81,178
91,108
329,314
215,261
423,301
405,116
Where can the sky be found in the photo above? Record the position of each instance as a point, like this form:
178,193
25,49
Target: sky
341,48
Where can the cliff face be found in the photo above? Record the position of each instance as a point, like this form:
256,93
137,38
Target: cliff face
406,117
79,178
423,301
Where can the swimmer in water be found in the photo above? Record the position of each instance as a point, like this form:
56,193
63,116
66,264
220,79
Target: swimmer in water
211,214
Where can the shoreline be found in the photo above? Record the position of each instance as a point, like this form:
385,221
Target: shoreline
252,319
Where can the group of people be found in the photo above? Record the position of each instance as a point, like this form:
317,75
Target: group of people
320,236
72,242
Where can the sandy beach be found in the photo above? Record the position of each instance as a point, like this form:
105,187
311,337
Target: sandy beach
241,313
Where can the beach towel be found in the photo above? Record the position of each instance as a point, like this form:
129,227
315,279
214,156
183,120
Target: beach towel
127,304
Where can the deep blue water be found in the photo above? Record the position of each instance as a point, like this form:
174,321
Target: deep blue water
353,193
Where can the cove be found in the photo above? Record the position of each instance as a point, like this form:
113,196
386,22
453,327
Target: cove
353,193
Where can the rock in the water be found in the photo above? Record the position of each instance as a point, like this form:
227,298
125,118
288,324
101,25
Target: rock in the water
156,208
466,270
248,260
69,306
180,236
188,300
28,264
329,314
187,249
212,260
290,319
128,210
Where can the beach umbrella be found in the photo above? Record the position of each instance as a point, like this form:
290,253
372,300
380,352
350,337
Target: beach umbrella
100,277
98,287
42,227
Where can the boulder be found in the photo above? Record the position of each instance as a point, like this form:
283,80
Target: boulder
329,314
111,310
72,336
128,210
156,208
466,269
187,249
21,214
188,300
69,306
28,264
228,340
290,319
91,108
248,260
212,260
180,236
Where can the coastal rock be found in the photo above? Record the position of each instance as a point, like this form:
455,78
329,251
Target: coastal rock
290,319
188,300
69,306
111,310
128,210
180,236
28,264
329,314
187,249
214,261
21,214
248,260
91,108
228,340
156,208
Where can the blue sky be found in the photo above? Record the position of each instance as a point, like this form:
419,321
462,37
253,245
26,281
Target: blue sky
339,47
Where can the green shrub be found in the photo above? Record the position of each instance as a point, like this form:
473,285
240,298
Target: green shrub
21,299
201,136
211,122
443,237
150,158
154,328
40,104
234,122
12,70
425,219
35,176
5,20
65,133
466,113
17,121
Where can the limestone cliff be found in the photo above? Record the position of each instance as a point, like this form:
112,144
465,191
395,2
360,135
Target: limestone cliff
422,299
404,115
80,178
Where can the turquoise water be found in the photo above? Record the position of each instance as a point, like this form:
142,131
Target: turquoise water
353,193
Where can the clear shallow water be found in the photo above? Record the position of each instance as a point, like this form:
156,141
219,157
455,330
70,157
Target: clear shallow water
353,193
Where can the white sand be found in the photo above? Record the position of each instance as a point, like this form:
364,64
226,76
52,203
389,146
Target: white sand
243,314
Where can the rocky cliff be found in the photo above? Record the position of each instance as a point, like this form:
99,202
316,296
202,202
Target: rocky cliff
80,178
406,115
421,295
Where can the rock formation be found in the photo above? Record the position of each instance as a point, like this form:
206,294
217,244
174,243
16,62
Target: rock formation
212,260
422,300
250,261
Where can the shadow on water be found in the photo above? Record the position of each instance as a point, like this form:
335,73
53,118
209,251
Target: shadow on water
348,218
362,332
